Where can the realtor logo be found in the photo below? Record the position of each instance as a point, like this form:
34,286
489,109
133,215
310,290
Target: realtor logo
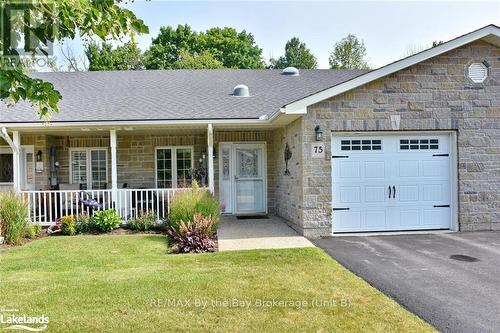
24,28
10,319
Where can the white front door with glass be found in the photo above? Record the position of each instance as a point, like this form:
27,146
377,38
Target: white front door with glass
89,168
242,170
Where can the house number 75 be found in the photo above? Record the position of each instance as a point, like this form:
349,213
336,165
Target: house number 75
318,150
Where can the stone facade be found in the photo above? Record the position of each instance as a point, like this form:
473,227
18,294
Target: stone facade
432,95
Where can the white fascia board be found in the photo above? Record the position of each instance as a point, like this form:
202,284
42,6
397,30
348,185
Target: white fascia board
302,104
90,124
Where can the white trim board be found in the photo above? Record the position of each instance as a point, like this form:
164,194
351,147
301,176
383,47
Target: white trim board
491,33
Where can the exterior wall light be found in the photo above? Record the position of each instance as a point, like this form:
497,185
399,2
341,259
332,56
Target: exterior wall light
319,133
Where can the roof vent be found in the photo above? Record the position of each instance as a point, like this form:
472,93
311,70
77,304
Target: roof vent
292,71
477,72
241,91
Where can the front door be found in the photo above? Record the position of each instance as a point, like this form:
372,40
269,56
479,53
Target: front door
243,178
27,168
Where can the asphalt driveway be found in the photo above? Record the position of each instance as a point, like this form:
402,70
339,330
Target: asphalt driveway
418,272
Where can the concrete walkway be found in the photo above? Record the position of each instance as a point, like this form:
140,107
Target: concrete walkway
271,233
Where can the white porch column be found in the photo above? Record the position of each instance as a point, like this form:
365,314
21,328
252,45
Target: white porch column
210,158
16,155
114,170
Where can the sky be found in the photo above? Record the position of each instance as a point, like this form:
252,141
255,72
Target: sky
387,28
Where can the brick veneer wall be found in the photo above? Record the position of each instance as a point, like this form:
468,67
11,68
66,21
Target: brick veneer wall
432,95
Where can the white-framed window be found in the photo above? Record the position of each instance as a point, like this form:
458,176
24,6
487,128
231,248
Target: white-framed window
89,167
173,166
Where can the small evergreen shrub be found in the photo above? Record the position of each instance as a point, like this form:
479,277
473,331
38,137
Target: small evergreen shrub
106,220
14,213
186,204
195,236
32,230
84,223
68,225
144,222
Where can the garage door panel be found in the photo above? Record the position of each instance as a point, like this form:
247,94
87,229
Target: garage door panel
434,192
409,217
409,168
375,218
438,167
408,193
350,194
361,181
348,220
435,216
349,169
374,194
375,169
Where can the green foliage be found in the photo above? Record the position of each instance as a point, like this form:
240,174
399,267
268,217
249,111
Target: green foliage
194,236
32,230
54,21
228,47
16,86
234,49
106,220
186,204
296,55
349,53
204,60
14,213
126,57
68,225
144,222
84,223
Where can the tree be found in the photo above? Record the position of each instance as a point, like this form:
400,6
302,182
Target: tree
104,57
204,60
411,49
166,47
72,62
233,49
296,55
226,45
349,53
54,21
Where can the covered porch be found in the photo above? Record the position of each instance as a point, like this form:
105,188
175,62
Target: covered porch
133,169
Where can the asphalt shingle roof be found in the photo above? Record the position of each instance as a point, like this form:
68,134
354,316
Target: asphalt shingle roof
175,94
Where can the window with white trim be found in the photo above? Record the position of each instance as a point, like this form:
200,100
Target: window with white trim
6,166
89,167
173,166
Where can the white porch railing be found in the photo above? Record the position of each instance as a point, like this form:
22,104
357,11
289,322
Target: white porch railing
47,206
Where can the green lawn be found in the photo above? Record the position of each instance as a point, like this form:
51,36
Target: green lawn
122,284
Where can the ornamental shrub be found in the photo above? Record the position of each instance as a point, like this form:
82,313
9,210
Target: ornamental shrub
144,222
68,225
195,236
184,205
106,220
14,213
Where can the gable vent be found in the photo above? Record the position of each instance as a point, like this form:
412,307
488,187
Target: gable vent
241,91
292,71
477,72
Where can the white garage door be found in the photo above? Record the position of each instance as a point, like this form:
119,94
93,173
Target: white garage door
391,182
